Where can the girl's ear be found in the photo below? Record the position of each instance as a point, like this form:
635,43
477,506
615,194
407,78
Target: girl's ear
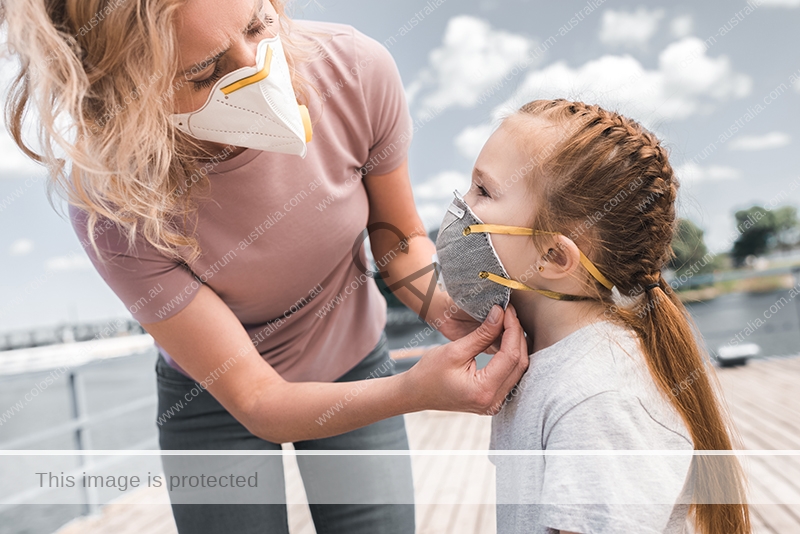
561,260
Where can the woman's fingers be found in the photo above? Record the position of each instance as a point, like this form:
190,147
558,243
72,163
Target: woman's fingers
482,337
507,366
446,377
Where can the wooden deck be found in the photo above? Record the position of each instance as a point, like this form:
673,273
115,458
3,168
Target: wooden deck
764,398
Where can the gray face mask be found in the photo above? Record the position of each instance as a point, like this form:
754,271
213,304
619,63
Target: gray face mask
462,257
472,271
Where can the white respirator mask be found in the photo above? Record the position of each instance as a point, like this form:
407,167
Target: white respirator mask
253,107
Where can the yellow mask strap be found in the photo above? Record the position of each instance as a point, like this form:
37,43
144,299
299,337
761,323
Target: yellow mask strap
513,284
497,229
250,80
519,230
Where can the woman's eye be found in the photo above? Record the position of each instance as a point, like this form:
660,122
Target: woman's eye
216,75
208,82
258,30
261,27
483,192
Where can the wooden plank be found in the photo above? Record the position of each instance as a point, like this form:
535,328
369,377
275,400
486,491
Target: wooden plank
298,512
486,522
760,526
768,420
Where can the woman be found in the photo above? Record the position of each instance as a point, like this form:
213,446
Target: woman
241,262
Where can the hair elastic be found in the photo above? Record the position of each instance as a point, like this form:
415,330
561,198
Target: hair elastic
649,287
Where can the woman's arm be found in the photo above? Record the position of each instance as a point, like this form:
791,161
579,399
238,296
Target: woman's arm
392,201
208,341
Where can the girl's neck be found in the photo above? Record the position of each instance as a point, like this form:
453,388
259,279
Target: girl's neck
547,321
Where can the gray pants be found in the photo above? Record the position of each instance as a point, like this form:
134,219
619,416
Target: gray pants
360,485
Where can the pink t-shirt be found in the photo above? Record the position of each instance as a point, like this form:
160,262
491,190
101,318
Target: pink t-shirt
278,233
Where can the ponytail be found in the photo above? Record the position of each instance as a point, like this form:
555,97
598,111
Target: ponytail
680,369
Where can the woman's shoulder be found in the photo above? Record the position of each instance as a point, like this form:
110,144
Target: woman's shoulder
340,43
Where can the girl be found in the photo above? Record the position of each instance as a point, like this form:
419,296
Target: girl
595,193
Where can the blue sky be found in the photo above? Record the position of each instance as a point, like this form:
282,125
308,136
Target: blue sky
712,78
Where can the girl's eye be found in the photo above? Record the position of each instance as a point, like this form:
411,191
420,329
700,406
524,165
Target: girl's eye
483,192
208,82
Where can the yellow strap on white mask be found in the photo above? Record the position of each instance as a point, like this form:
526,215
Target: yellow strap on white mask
519,230
250,80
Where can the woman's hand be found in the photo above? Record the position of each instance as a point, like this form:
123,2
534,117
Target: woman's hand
454,325
447,377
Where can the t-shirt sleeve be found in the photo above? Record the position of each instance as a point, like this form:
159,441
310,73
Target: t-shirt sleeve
387,108
152,286
612,492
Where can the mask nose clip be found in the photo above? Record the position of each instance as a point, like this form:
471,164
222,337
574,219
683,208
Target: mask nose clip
262,74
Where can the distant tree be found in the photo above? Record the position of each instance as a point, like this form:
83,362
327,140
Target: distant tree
763,230
787,233
691,252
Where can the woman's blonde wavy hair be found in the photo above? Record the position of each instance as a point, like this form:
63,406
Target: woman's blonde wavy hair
98,73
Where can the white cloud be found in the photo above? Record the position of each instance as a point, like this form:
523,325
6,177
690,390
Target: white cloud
74,262
761,142
630,28
442,186
14,162
687,82
780,3
796,85
413,90
471,140
433,197
681,26
21,247
691,172
473,58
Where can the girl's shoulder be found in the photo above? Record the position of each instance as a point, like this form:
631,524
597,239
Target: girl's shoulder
598,369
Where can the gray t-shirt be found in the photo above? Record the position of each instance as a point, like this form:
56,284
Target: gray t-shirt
591,391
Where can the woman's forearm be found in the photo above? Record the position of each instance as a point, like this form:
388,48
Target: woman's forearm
446,378
290,411
419,258
205,336
391,202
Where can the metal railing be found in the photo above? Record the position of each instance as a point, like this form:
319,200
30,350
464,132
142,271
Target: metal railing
79,427
63,333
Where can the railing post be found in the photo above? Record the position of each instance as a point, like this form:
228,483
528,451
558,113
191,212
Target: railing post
82,439
796,280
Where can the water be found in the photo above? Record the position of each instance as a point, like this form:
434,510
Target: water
116,382
773,318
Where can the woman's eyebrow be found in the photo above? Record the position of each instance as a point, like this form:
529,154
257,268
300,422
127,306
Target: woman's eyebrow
202,65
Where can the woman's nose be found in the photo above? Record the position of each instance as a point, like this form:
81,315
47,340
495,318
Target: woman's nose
243,53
